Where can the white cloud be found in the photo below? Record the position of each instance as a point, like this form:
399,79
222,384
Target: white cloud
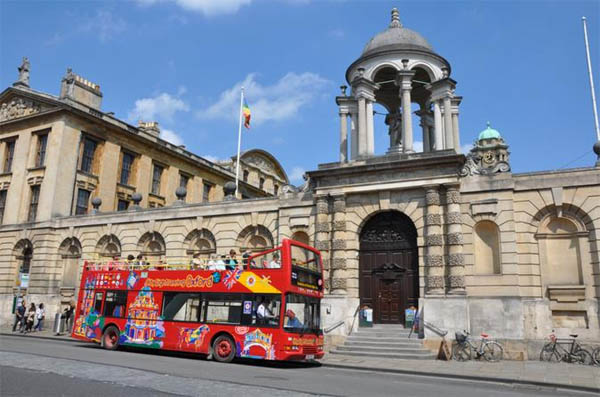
214,159
337,33
162,106
418,146
297,175
171,136
206,7
276,102
104,24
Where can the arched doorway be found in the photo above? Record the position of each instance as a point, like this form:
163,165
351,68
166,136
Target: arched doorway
389,266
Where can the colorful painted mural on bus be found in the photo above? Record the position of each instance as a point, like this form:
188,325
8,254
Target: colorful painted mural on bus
192,337
88,322
144,326
257,344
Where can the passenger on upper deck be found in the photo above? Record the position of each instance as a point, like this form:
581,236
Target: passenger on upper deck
275,262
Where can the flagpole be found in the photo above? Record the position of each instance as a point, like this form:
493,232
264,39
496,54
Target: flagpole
589,65
237,167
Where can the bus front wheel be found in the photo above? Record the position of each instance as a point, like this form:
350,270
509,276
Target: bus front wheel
110,338
224,349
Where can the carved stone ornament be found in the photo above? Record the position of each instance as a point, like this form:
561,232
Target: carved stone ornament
433,219
18,107
261,163
433,240
339,283
453,218
383,235
434,260
322,227
339,226
339,204
339,264
476,166
322,206
339,244
432,197
453,196
456,259
322,245
435,282
454,239
456,282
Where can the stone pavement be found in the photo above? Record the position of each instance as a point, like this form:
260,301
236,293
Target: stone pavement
534,373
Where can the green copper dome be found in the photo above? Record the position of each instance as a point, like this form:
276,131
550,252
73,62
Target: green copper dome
489,133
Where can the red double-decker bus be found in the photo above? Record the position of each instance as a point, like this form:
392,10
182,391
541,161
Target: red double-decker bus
264,306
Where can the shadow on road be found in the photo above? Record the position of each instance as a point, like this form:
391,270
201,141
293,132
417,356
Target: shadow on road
199,356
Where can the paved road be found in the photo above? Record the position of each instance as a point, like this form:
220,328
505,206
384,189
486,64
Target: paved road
142,373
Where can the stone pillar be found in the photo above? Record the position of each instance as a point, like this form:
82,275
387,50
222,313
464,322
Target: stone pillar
434,258
362,126
343,137
338,248
455,262
353,135
404,81
370,127
438,143
455,102
449,135
322,237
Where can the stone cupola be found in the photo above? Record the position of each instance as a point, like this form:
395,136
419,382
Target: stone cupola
398,67
489,154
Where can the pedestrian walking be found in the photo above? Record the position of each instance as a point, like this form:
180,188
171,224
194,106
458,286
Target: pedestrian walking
68,315
40,315
20,316
29,319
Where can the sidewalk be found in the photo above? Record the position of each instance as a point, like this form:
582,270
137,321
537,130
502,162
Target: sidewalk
532,373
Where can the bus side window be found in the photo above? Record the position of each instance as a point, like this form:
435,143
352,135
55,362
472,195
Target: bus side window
266,310
114,304
98,302
182,306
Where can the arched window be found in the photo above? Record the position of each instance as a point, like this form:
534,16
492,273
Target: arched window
559,251
70,252
301,236
152,244
23,254
486,241
108,246
200,242
255,238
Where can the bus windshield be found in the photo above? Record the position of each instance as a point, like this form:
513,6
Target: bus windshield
302,314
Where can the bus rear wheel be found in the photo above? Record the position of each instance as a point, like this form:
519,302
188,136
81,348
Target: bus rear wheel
110,338
223,349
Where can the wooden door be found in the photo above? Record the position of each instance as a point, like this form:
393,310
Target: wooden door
388,266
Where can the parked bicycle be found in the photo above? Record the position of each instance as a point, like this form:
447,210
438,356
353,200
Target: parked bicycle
596,355
567,350
490,350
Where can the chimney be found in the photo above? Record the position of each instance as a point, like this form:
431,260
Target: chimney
151,127
78,89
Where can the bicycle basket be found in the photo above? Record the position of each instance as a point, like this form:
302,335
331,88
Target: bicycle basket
460,337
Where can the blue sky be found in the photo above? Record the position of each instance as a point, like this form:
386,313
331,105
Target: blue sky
520,65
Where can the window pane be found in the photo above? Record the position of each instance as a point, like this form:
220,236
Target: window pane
89,148
10,152
183,180
35,196
206,192
122,205
115,303
2,203
41,150
266,310
126,168
301,313
180,306
156,175
83,198
245,175
224,309
98,302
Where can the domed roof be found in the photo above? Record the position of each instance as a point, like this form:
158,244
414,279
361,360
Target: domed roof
489,133
396,37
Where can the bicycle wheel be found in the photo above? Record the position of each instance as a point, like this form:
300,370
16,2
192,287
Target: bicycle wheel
596,356
493,351
549,353
582,357
461,352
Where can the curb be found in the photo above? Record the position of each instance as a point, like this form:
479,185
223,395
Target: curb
506,381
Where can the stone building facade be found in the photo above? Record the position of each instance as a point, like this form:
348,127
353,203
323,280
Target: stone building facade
471,244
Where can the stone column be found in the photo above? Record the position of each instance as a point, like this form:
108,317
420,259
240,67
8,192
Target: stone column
322,237
455,102
343,137
353,135
454,240
338,248
370,127
449,135
438,143
362,126
434,258
404,81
